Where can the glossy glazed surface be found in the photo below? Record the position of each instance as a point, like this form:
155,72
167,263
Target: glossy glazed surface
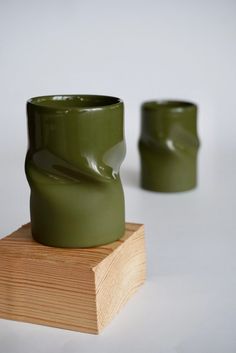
168,146
76,147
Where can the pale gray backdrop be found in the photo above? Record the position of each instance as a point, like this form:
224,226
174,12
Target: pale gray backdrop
136,50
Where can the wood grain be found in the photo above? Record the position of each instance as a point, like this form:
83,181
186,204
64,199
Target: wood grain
76,289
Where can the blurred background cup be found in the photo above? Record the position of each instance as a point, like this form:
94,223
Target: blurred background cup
76,147
168,146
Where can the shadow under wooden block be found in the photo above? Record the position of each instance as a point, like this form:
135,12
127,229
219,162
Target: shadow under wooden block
76,289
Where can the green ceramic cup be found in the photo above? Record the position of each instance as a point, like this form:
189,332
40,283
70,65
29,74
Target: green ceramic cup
76,147
168,146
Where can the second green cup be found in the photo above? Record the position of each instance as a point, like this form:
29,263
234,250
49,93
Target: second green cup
168,146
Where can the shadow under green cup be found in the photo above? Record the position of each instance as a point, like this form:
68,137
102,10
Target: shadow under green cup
168,146
76,147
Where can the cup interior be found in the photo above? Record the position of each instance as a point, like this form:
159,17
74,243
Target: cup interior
74,101
168,104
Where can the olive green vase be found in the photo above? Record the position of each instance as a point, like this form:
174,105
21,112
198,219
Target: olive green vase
76,147
168,146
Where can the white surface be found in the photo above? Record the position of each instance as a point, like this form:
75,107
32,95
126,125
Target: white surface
136,50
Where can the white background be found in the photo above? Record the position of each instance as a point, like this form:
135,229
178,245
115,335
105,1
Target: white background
136,50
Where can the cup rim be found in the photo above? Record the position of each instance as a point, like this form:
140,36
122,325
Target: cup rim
106,102
168,104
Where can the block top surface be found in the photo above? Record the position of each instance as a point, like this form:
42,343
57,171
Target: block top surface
20,244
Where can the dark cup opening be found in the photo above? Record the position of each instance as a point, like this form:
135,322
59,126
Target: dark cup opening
168,105
74,101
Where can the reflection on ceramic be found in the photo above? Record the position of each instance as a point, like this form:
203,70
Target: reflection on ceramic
76,147
168,146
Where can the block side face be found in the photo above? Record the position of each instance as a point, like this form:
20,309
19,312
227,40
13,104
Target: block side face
119,276
58,295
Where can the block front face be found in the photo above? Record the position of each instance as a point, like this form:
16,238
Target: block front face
47,292
77,289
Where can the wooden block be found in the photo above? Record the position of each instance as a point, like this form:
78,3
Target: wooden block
76,289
